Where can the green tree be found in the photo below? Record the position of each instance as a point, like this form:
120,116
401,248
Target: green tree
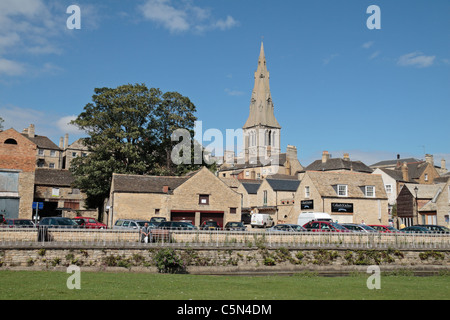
129,132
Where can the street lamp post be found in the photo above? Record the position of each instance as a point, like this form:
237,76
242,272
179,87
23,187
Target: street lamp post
416,190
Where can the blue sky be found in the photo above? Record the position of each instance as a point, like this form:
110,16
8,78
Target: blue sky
336,85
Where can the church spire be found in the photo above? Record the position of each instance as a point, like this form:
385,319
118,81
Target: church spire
261,105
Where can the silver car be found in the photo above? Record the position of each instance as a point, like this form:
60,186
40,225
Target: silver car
130,224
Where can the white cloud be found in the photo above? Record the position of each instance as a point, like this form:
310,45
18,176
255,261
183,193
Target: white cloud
368,44
11,68
228,23
177,16
234,92
47,124
64,125
416,59
328,59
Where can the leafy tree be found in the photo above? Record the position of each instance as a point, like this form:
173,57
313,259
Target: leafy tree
129,131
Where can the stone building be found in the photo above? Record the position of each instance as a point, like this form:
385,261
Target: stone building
276,197
418,204
197,197
48,155
17,172
413,170
261,156
54,189
349,197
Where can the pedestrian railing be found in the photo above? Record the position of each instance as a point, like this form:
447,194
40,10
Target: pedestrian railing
219,238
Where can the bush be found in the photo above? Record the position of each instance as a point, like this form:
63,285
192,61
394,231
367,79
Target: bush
168,261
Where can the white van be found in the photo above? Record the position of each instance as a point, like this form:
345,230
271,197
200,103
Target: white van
305,217
261,220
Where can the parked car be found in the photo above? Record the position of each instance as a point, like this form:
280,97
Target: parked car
89,223
287,228
157,220
358,228
130,224
235,226
210,225
176,225
305,217
416,229
383,229
324,226
435,228
58,222
262,220
20,223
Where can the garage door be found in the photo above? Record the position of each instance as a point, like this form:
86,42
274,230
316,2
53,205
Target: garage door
183,216
216,216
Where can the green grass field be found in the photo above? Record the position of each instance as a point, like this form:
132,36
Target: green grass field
20,285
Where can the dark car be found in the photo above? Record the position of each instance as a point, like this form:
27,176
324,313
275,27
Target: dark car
435,228
58,222
324,226
235,226
416,229
210,225
20,223
176,225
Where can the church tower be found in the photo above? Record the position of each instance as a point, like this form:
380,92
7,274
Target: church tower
262,130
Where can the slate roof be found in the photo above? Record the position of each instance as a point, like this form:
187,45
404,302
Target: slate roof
42,142
338,164
283,185
53,177
252,188
393,162
145,184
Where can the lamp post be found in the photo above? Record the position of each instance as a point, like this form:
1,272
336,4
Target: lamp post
416,190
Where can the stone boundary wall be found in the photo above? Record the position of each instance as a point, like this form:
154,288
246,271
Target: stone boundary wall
257,260
236,239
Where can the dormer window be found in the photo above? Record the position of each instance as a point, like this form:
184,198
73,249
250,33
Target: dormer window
370,191
342,190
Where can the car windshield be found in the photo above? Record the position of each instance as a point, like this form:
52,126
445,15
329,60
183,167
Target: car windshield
142,223
211,223
337,226
367,227
297,228
235,224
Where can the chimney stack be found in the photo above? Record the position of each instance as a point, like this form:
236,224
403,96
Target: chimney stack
429,159
61,143
66,141
325,156
443,165
165,189
31,131
405,171
347,156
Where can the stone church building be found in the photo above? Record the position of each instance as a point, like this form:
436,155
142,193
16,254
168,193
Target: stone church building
261,156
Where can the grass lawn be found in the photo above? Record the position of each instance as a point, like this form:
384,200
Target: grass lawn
20,285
